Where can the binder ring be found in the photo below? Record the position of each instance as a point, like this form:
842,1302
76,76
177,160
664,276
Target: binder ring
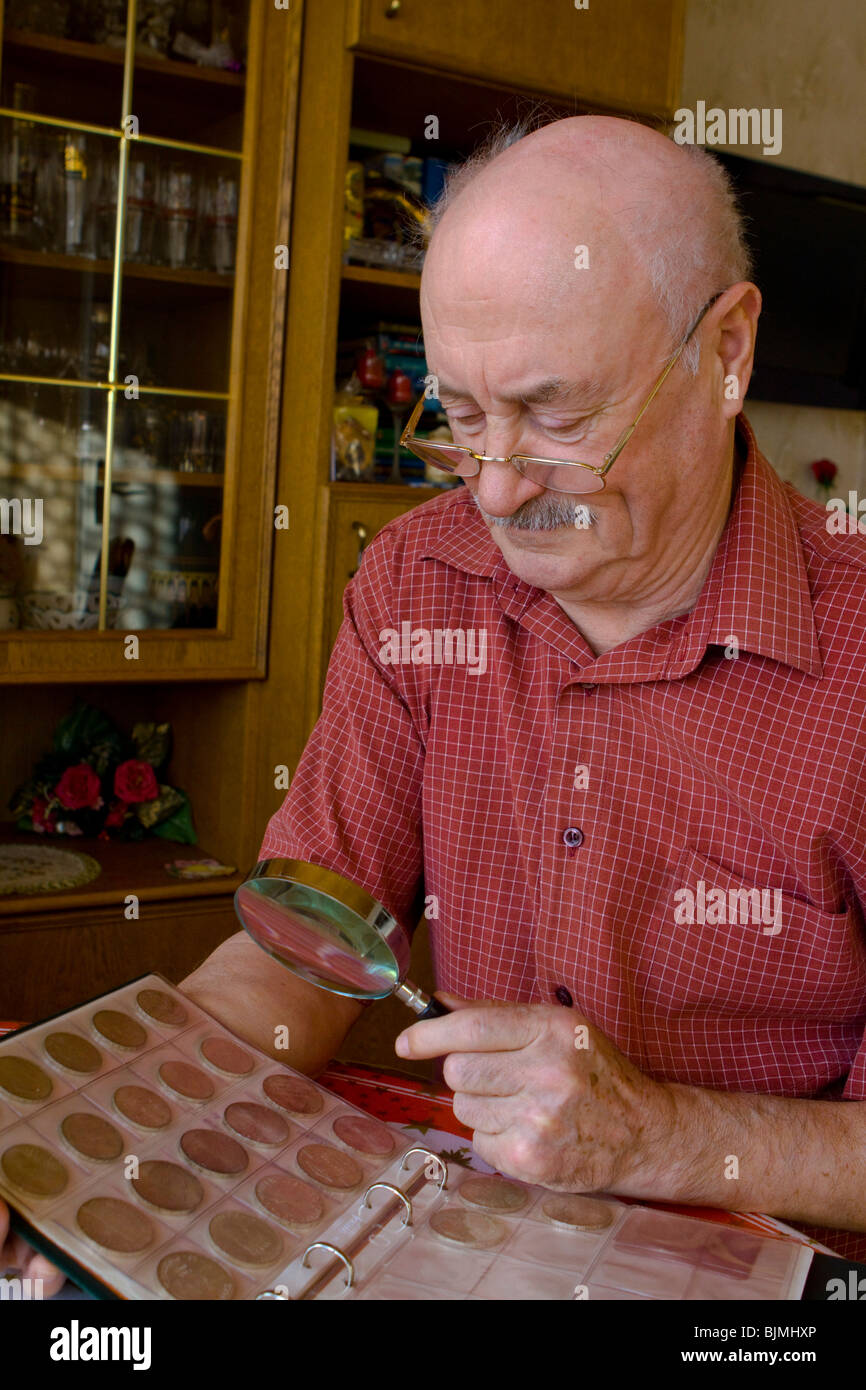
389,1186
428,1153
326,1245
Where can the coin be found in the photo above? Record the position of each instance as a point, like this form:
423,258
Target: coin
290,1199
116,1225
256,1122
24,1079
166,1186
142,1107
92,1136
293,1093
365,1135
161,1007
469,1227
119,1028
186,1080
226,1056
186,1275
494,1194
73,1052
330,1166
215,1152
245,1238
578,1213
34,1170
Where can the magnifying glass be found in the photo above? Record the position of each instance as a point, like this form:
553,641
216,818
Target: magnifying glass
329,931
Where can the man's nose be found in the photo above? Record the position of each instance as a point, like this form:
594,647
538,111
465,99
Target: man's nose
500,489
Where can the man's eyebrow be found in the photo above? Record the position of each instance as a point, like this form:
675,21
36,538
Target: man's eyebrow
554,388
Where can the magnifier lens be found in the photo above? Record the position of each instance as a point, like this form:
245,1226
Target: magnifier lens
318,937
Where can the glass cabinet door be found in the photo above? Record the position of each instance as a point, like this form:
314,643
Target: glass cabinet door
121,197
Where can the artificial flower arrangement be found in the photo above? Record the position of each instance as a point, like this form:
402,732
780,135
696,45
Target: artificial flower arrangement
96,781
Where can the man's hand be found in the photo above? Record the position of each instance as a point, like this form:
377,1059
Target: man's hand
16,1255
551,1100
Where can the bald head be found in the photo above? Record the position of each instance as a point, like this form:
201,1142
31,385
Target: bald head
659,220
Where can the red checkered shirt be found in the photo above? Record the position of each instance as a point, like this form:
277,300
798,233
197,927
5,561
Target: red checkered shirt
546,882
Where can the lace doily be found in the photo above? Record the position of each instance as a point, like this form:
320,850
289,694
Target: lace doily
44,869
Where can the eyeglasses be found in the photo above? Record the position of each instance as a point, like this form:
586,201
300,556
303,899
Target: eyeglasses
555,474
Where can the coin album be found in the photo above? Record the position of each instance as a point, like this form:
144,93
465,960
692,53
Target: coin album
153,1155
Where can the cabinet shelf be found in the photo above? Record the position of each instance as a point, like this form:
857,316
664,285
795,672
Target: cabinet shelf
73,472
55,53
132,270
384,294
127,867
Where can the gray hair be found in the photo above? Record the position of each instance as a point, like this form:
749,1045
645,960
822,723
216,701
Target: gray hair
684,270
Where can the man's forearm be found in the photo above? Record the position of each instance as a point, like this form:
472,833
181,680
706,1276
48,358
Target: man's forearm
801,1160
265,1003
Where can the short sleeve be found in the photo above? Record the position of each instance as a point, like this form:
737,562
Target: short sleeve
354,805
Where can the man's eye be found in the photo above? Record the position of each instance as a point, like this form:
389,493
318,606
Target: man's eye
465,422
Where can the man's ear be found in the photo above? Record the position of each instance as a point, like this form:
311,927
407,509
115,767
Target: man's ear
737,330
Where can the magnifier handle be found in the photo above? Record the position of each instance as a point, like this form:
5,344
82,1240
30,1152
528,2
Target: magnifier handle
419,1002
434,1010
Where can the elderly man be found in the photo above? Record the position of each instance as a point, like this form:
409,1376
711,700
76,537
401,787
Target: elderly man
667,729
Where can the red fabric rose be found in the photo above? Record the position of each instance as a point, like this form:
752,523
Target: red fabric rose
824,471
41,822
78,788
117,814
135,781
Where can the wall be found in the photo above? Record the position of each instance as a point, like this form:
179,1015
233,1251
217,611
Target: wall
810,60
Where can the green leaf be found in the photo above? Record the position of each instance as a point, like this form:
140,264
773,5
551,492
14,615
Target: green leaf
161,808
152,743
179,826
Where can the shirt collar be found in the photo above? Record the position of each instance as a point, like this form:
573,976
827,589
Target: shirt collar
757,590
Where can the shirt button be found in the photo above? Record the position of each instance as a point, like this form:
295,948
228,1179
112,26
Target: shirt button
563,996
573,837
587,687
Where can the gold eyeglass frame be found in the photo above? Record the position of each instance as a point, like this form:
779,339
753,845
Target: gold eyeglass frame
408,441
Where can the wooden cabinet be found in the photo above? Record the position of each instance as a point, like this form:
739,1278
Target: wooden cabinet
616,53
143,301
354,518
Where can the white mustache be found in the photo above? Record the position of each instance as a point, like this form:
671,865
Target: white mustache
543,514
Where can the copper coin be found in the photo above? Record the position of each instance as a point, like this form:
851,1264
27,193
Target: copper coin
578,1213
119,1028
116,1225
143,1107
73,1052
186,1275
365,1135
167,1186
91,1135
290,1199
329,1166
256,1122
494,1194
34,1170
226,1056
216,1152
24,1079
293,1093
186,1080
469,1227
246,1238
162,1007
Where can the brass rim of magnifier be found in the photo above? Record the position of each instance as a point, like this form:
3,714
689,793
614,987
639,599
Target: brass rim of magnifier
314,876
344,892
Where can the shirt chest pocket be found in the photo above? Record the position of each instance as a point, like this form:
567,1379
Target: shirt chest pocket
722,945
